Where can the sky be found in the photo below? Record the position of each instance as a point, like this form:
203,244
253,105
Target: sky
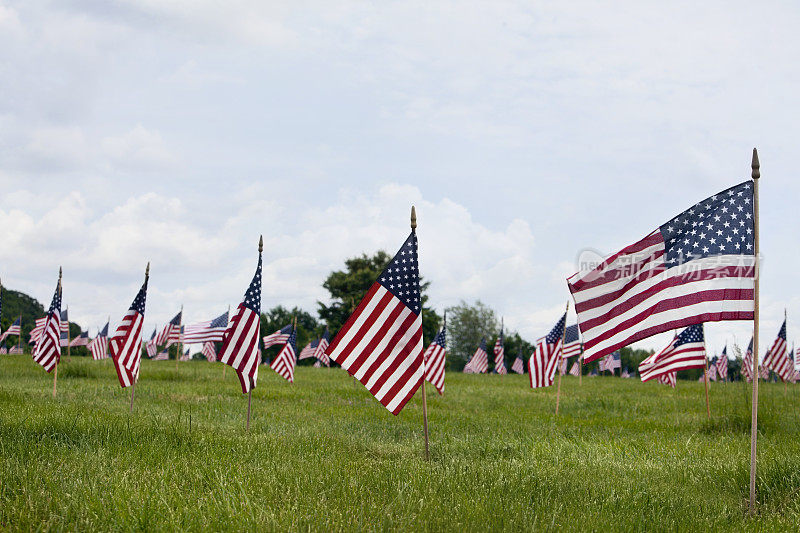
177,132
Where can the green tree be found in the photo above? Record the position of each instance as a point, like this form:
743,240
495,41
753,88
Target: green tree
466,325
347,287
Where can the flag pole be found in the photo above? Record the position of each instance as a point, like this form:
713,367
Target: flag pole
224,366
19,339
755,175
178,344
560,356
105,360
55,372
68,339
133,385
424,396
705,380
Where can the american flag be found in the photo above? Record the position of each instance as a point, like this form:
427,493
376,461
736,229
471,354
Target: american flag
518,366
572,341
309,350
64,331
208,331
479,363
712,372
171,333
3,348
593,373
317,364
209,351
279,337
435,357
47,351
722,364
747,362
187,356
381,342
778,357
500,355
99,345
13,329
763,372
151,346
670,379
38,328
240,342
163,355
543,362
698,267
575,370
686,350
562,366
324,342
80,340
284,363
610,362
625,373
125,345
16,349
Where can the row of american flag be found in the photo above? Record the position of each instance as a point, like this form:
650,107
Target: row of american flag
696,268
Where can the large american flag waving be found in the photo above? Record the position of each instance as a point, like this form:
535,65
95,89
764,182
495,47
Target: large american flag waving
47,351
381,343
698,267
240,342
124,346
544,361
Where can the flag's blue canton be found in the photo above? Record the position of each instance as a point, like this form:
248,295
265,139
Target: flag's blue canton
571,335
55,305
483,344
441,338
293,342
690,334
64,316
616,356
220,321
782,332
285,329
725,351
153,336
719,225
104,332
558,330
138,302
401,277
502,337
176,319
326,335
252,298
84,335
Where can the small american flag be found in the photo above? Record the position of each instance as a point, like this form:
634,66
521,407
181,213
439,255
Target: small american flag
208,331
240,342
712,372
209,351
610,362
3,348
187,356
575,370
286,359
722,364
518,367
64,336
562,366
38,328
572,342
162,355
670,379
279,337
543,362
686,350
15,350
80,340
500,355
309,350
747,362
151,346
381,342
697,267
479,363
625,373
13,329
435,358
47,351
125,345
778,358
324,342
99,345
171,333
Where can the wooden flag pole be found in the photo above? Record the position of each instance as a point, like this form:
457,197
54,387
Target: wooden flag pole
178,344
755,174
224,366
55,372
68,338
705,380
19,339
133,385
108,343
560,356
424,396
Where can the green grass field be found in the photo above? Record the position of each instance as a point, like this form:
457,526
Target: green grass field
324,455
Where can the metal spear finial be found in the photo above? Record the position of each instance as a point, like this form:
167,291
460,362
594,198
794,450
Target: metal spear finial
260,243
755,165
413,218
147,271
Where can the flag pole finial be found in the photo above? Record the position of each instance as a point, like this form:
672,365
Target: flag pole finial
413,218
147,270
260,243
59,273
755,166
